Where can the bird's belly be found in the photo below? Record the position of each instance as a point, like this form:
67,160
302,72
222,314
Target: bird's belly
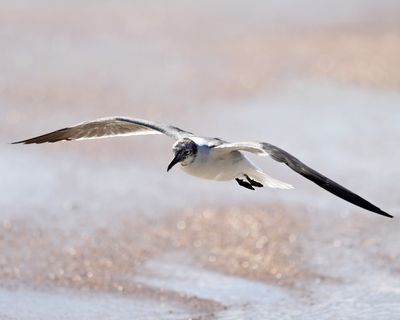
217,169
210,173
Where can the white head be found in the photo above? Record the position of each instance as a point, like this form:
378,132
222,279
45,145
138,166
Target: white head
185,151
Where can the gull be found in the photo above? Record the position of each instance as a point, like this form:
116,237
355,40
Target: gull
207,158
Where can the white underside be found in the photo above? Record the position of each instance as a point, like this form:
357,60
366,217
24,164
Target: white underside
213,165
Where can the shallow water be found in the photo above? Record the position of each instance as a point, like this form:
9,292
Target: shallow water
100,230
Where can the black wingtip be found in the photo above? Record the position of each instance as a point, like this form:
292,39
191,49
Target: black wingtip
383,213
22,142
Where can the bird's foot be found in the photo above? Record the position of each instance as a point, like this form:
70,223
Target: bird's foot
244,184
254,183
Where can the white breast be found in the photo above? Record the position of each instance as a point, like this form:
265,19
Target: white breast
214,165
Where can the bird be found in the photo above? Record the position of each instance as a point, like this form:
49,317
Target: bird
207,158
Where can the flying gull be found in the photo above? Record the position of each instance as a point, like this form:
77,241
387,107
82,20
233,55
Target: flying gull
207,158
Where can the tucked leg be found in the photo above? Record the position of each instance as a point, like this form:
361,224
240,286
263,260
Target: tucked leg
254,183
244,184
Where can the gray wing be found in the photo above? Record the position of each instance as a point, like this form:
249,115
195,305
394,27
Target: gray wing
295,164
109,127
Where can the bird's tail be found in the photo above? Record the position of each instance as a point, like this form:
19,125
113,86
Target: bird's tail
266,180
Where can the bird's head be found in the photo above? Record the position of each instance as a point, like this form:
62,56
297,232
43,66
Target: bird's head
185,151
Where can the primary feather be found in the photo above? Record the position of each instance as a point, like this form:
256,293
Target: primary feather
280,155
108,127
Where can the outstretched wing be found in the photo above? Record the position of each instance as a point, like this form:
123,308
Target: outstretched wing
109,127
295,164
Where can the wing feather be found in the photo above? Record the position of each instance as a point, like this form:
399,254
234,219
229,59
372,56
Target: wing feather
280,155
108,127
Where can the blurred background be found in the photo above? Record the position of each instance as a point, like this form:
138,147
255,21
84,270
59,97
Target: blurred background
99,230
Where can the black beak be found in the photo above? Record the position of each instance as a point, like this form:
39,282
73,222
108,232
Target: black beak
177,159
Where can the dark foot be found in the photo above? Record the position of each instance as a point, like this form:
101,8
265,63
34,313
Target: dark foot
244,184
254,183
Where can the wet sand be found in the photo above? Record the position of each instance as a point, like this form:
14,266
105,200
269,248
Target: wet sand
99,230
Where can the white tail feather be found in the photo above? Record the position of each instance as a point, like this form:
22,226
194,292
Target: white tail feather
266,180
